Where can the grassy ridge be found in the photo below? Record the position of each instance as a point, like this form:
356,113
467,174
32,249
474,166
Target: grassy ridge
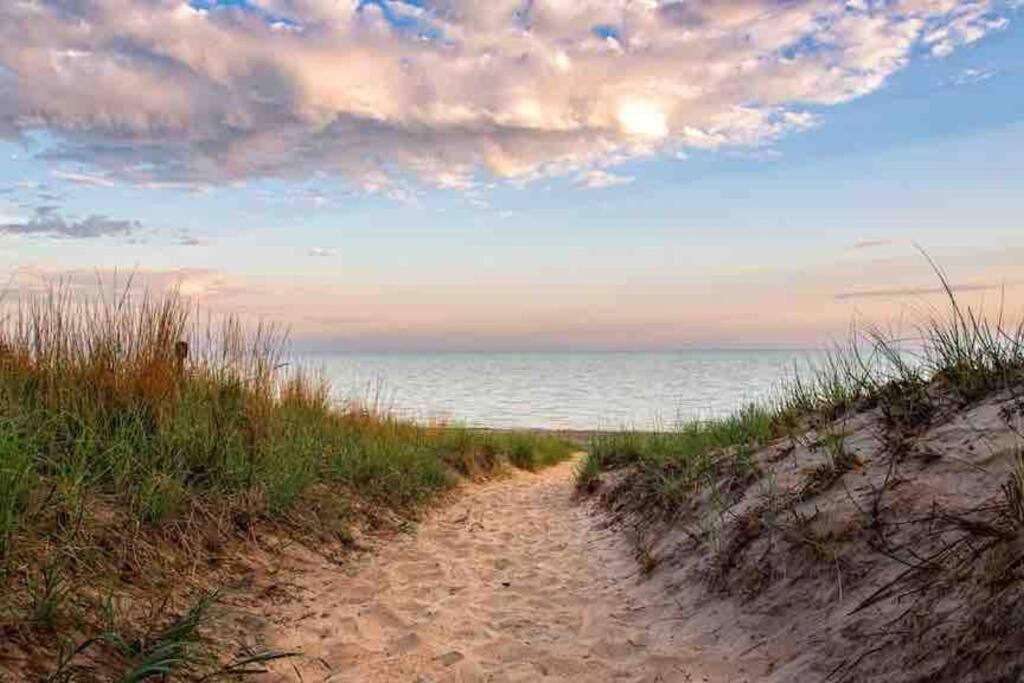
106,418
880,500
678,464
958,357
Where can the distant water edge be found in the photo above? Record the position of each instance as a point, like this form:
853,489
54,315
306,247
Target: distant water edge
612,390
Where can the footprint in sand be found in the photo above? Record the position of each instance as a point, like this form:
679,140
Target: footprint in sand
515,583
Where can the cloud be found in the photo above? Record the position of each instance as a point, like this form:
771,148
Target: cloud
968,22
47,222
870,244
321,252
83,178
191,241
207,285
598,178
973,75
913,291
660,306
446,92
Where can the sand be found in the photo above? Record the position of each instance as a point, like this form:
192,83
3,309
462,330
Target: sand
517,579
514,581
790,582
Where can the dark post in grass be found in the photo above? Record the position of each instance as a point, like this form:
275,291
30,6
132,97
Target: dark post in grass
180,354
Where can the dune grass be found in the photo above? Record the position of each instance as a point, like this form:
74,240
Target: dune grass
140,411
679,463
954,357
781,512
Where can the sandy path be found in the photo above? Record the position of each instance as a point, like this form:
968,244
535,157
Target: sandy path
513,582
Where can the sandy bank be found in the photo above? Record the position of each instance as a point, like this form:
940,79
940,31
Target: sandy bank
856,549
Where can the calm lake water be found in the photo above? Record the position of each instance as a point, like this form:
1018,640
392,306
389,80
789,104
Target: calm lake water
562,390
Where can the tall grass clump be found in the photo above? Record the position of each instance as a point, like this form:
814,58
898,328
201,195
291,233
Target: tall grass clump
134,413
133,400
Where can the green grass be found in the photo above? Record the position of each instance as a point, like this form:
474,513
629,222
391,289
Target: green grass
99,410
955,357
677,465
158,653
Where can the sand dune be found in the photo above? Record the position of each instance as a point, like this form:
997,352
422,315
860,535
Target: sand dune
513,582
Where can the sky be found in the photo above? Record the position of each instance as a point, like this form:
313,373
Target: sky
519,174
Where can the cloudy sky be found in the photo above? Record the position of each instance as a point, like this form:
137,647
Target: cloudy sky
519,173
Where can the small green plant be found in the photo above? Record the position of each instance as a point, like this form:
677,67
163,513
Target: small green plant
838,459
588,473
16,478
47,594
648,562
1013,493
175,646
173,649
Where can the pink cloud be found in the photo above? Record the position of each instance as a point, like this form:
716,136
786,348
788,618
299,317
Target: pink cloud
157,92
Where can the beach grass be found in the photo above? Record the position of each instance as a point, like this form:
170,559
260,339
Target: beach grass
954,356
122,416
879,496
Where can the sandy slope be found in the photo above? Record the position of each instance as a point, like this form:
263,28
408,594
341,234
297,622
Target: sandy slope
513,582
906,563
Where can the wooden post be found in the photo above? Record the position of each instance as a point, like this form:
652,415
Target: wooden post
180,354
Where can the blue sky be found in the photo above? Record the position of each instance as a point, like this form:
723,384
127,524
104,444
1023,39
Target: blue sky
617,233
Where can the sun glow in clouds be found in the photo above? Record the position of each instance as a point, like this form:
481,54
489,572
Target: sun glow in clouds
153,91
642,119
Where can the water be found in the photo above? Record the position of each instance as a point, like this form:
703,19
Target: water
562,390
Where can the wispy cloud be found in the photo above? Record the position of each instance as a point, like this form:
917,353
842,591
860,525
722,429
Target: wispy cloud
84,178
489,309
971,76
913,291
191,241
870,244
208,285
599,178
46,221
321,252
161,93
